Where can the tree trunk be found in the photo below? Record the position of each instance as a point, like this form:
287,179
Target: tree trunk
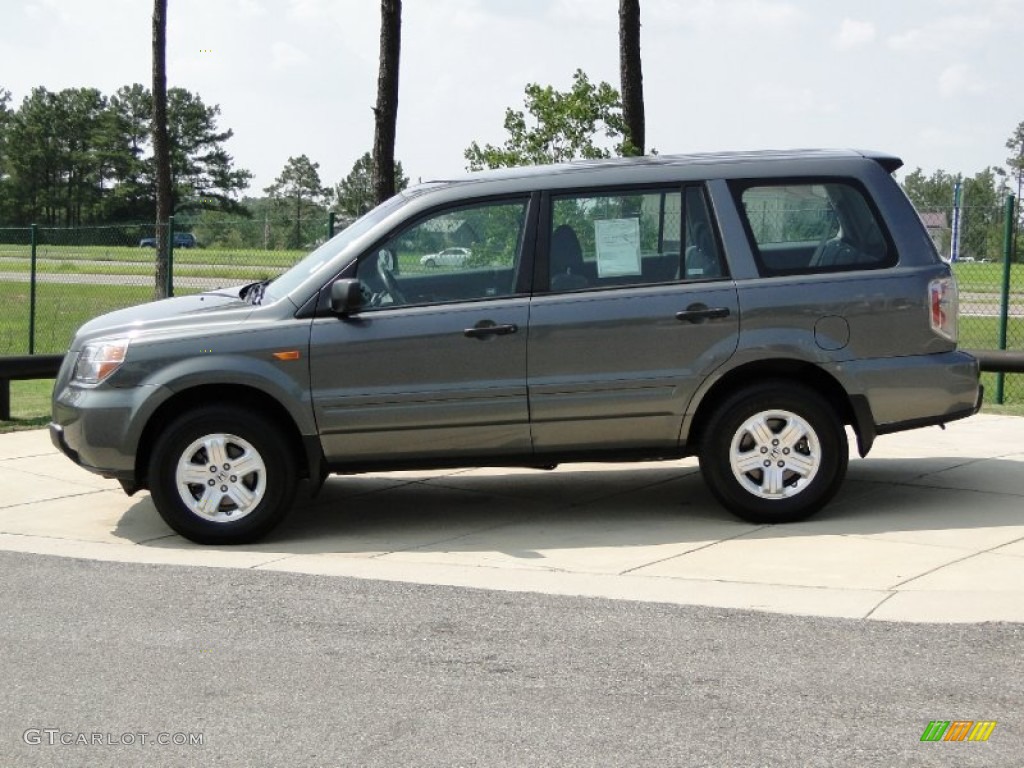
161,148
386,111
631,76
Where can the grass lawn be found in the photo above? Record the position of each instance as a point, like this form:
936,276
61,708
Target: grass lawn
987,277
30,405
61,309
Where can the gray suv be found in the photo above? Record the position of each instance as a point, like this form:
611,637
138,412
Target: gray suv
742,308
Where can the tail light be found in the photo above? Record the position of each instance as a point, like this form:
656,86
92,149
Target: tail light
944,307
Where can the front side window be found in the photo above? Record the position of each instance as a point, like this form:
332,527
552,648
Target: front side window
631,238
814,227
459,254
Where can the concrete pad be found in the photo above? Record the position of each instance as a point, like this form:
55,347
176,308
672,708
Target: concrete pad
31,442
24,488
980,573
402,517
1003,475
782,555
1014,549
967,521
594,545
951,607
55,465
106,516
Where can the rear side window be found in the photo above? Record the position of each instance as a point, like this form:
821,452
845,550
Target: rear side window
814,227
631,237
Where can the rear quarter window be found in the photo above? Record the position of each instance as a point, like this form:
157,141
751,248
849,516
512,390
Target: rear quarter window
813,226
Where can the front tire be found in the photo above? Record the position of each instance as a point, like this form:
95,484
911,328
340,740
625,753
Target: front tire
221,475
774,453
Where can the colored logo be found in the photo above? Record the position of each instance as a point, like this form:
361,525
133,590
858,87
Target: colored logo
958,730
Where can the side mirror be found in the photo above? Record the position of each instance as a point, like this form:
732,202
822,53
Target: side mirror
346,296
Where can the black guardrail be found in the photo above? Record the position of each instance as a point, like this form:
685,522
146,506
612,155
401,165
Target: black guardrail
998,360
24,367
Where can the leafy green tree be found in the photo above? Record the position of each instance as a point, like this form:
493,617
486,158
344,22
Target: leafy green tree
75,156
1016,164
1016,159
981,213
354,195
982,228
931,193
202,172
561,126
299,189
54,175
128,128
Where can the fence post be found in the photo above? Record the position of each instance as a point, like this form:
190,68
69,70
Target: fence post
330,225
170,256
1004,306
34,235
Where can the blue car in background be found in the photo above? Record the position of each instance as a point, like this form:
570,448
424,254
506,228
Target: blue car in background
181,240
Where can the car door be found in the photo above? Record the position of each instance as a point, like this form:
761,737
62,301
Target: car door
638,311
433,368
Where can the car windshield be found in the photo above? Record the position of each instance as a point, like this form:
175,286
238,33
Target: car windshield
322,256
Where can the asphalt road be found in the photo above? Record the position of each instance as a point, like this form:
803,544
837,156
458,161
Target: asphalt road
274,669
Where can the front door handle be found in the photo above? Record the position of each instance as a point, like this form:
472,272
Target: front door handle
698,313
487,328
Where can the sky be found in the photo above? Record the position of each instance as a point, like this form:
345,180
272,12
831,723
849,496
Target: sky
932,81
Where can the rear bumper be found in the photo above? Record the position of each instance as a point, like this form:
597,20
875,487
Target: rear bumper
901,393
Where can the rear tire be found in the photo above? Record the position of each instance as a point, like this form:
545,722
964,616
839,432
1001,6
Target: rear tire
222,475
774,453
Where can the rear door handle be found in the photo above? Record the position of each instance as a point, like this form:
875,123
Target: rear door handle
698,313
487,328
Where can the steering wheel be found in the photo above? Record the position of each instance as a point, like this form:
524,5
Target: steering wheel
390,284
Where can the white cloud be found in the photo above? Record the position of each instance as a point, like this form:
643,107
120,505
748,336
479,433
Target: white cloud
251,8
948,33
958,79
854,34
717,14
285,56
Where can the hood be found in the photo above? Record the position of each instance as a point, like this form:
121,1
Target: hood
223,305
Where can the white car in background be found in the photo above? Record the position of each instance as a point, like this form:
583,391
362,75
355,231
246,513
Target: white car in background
449,257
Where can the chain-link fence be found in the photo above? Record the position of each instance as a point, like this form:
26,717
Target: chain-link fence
981,242
53,280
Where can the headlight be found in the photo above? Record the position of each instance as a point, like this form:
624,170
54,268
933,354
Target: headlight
99,359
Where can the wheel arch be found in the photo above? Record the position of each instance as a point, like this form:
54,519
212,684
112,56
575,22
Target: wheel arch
310,457
853,410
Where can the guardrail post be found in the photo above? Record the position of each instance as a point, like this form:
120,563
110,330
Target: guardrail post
330,225
170,256
1004,309
34,234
